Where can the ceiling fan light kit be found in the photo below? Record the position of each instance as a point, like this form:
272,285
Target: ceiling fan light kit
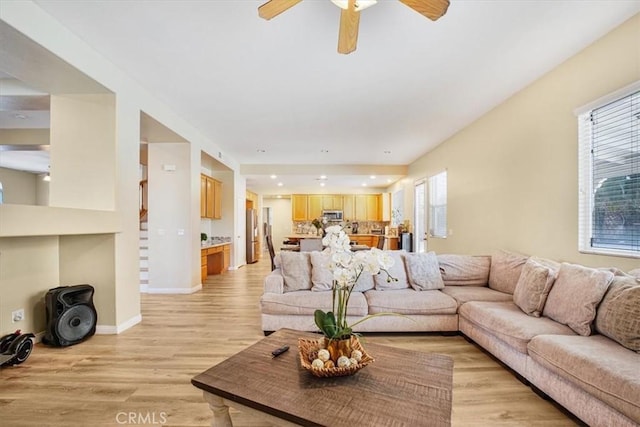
350,15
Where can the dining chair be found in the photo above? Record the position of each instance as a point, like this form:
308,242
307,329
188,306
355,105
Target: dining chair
272,252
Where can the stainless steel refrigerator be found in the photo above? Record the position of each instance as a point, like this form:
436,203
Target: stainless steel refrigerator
252,236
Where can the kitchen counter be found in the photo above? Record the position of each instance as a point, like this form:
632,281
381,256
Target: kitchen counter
214,244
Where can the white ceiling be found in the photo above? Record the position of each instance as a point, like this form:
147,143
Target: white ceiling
277,92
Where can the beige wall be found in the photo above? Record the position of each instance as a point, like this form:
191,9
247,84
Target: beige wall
83,152
28,268
281,227
19,188
513,174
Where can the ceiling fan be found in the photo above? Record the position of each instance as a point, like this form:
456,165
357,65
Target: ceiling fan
350,15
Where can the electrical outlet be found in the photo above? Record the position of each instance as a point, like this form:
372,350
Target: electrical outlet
17,316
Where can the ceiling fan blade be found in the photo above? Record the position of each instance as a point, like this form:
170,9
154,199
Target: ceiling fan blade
432,9
273,8
348,34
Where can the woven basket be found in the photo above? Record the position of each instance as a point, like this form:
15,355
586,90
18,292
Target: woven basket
307,346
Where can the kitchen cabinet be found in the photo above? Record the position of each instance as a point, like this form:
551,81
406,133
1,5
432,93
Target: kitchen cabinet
215,260
364,239
332,202
367,207
299,209
210,197
314,206
348,207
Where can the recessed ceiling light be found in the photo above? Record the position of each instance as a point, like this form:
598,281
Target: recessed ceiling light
387,151
364,184
280,184
388,180
372,177
260,150
322,184
273,176
279,196
323,176
324,150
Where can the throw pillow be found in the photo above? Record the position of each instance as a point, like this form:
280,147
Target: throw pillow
618,315
464,270
423,271
505,270
321,276
575,295
635,273
533,287
296,270
397,271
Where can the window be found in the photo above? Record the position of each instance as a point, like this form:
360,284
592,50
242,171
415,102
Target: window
1,194
438,205
420,216
609,140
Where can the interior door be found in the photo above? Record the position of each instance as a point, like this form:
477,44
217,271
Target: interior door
420,216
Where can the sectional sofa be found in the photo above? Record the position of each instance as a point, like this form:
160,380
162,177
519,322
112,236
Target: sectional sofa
571,331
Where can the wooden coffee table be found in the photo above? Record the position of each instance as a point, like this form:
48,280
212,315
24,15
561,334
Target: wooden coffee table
402,387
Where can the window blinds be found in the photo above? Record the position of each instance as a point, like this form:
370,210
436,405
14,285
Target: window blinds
610,182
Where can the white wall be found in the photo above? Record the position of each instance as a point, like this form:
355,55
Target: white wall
281,227
169,221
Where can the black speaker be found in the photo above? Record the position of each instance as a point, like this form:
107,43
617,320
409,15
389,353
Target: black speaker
71,316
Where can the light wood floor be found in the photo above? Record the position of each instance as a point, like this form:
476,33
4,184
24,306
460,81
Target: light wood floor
145,372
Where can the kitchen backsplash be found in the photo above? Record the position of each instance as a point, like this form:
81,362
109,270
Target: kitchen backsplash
364,227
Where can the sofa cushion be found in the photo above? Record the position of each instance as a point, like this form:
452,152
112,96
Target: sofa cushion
464,294
296,270
307,302
464,270
533,287
618,315
575,295
410,301
595,364
505,270
507,322
423,271
397,271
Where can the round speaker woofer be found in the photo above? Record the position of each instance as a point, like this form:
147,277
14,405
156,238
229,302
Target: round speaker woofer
75,323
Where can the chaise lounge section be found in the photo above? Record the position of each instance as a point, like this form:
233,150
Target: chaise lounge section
571,331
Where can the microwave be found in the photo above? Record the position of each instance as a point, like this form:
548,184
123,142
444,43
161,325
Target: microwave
332,215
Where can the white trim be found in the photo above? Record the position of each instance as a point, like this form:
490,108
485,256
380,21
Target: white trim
613,96
610,252
144,288
114,330
174,290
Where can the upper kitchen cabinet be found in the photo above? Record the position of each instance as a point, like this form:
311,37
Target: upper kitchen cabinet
299,209
210,197
367,207
332,202
315,206
348,207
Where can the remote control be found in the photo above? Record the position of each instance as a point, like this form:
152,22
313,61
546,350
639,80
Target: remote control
278,351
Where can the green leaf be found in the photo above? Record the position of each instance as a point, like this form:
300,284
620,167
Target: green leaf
326,322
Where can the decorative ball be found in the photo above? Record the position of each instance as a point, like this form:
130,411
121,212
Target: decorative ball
329,364
323,354
353,361
343,362
356,354
317,364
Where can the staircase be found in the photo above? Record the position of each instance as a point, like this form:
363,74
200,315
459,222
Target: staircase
144,257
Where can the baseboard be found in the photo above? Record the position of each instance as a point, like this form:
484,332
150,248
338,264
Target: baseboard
114,330
174,290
